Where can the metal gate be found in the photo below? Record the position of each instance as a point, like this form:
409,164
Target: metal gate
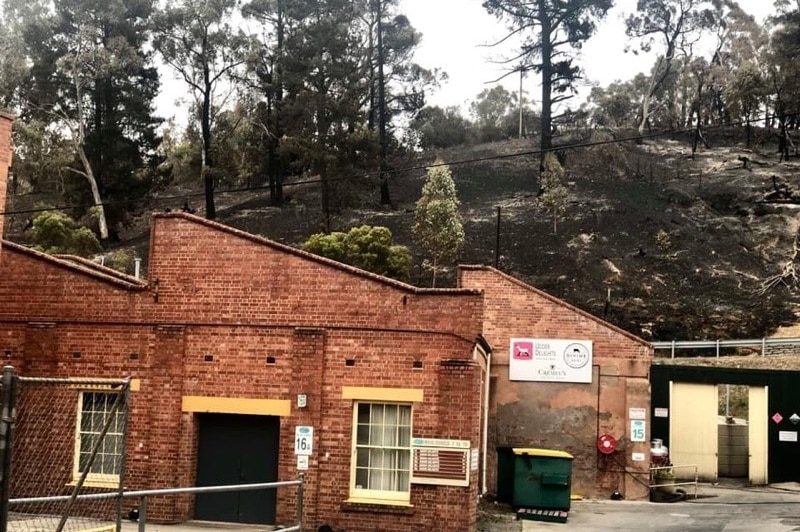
693,427
774,419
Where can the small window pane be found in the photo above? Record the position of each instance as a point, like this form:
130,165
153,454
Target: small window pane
363,414
362,436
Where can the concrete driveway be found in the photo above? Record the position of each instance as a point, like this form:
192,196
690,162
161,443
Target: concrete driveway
717,509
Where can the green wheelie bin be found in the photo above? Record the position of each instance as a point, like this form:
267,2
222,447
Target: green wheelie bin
542,479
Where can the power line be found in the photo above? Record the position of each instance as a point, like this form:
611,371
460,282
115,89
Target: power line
573,146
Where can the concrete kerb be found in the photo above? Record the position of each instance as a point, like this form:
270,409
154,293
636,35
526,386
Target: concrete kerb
583,512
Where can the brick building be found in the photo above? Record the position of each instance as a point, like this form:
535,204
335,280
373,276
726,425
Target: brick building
224,339
236,342
541,407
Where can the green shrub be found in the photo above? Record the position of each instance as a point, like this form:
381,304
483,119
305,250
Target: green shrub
366,247
55,233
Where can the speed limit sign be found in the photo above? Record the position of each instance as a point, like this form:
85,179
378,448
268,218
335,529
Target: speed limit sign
303,440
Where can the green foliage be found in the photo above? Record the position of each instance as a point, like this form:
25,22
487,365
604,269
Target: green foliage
437,223
665,26
437,127
554,197
495,112
122,260
54,232
616,105
366,247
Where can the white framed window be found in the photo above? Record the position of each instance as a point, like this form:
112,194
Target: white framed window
94,410
381,466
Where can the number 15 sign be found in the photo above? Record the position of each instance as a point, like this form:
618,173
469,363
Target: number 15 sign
638,431
303,440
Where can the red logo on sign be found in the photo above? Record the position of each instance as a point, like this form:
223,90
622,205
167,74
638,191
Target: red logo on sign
777,418
522,350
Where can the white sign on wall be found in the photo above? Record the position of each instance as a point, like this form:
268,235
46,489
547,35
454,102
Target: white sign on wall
536,359
303,440
637,413
302,462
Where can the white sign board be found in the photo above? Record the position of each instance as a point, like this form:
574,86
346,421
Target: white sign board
637,413
787,435
435,442
303,440
662,412
638,457
302,462
638,430
544,360
474,460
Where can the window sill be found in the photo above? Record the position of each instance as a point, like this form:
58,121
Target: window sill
96,484
376,506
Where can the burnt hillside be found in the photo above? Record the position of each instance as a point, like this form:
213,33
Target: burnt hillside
663,245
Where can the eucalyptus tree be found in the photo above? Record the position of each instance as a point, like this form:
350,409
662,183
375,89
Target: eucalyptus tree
783,77
13,67
555,195
438,228
197,39
745,94
552,31
496,113
615,105
672,28
86,73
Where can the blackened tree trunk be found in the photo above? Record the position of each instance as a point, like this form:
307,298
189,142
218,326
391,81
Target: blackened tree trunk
382,122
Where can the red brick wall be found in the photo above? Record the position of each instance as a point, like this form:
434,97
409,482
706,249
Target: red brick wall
563,416
240,299
5,160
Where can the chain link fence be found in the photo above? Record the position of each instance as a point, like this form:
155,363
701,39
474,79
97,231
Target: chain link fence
62,457
60,439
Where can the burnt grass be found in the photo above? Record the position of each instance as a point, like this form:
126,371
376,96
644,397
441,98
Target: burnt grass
661,245
666,246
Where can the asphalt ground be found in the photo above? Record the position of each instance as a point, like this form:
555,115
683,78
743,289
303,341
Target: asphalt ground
718,508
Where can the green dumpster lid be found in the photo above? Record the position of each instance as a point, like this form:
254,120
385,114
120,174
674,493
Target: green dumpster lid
542,452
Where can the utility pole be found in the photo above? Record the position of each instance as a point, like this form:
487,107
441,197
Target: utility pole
497,241
521,75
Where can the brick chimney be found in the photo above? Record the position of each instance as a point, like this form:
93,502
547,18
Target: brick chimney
5,162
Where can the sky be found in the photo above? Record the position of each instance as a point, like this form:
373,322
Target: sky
458,45
455,38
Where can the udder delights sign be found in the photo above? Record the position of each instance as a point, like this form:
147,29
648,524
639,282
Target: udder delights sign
549,360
